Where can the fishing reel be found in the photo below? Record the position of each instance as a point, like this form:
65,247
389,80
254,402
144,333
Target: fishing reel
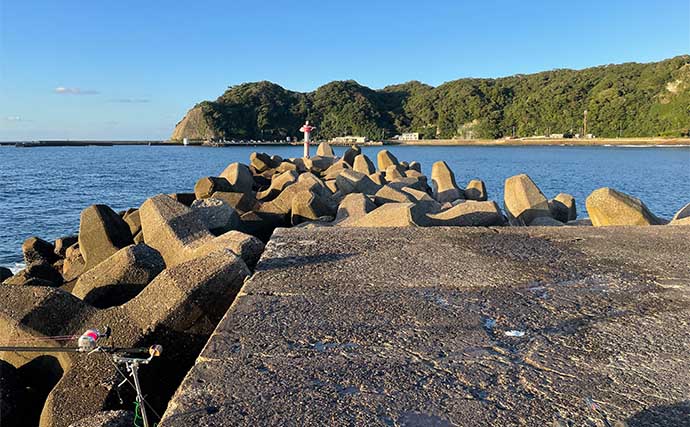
88,340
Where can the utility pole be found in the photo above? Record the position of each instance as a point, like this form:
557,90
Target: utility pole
584,125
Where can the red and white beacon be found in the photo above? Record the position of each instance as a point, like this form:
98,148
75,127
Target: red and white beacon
306,129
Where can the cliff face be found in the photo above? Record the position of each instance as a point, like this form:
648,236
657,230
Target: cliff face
195,125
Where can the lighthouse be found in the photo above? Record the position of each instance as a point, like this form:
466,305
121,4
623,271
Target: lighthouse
306,129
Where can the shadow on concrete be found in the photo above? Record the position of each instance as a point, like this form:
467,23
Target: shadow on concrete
298,261
677,415
113,295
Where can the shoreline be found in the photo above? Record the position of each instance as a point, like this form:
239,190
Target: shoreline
567,142
77,143
530,142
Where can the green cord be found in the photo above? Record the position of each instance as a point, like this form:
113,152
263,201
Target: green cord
137,416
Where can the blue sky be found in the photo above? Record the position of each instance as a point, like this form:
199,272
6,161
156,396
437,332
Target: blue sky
128,70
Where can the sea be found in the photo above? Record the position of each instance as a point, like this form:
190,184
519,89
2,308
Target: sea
43,190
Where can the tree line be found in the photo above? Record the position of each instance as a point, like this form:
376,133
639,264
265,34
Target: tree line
626,100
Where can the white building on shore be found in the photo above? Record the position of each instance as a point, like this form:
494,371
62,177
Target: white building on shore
350,139
410,136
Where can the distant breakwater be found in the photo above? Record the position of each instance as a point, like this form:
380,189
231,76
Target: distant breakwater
72,143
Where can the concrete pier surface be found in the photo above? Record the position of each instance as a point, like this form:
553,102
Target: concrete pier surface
453,326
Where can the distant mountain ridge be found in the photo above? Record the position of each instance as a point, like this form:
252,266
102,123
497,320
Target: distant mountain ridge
630,99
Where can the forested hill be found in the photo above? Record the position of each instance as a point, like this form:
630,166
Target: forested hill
621,100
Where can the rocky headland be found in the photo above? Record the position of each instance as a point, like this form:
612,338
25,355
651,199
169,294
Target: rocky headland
167,272
656,95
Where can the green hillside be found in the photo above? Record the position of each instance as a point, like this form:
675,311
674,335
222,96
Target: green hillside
628,100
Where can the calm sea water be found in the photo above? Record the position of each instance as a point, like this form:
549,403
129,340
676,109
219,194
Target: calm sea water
43,190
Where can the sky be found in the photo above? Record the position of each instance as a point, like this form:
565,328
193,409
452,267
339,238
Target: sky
131,69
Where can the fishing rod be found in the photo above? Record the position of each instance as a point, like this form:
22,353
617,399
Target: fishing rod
88,343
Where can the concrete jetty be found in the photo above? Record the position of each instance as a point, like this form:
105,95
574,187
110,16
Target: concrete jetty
452,326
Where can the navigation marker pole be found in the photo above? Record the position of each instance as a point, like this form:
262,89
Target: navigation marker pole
306,129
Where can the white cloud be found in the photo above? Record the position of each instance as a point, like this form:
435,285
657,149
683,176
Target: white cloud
74,91
15,120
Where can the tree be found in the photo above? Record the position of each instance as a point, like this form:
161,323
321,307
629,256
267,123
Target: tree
629,99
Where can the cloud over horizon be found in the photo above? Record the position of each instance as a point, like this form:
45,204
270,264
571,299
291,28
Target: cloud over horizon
61,90
18,120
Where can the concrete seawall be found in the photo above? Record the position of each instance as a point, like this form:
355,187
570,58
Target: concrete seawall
452,326
578,142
